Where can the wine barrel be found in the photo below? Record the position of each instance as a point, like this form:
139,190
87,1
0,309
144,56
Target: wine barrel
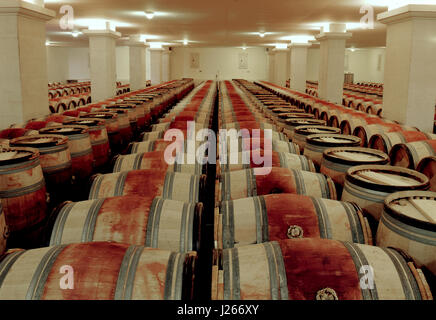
386,141
250,143
301,134
317,144
337,161
23,195
245,160
125,129
79,142
55,159
428,167
366,132
153,135
102,271
156,159
169,185
286,216
368,186
408,222
4,231
316,269
155,223
99,140
410,155
112,128
291,124
254,182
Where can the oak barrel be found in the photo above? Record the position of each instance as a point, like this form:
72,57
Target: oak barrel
257,182
316,269
97,271
301,134
147,183
409,155
428,167
408,222
79,142
282,216
368,186
153,222
23,195
317,144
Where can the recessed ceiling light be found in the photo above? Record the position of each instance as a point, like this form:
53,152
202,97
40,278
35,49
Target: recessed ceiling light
185,42
149,14
262,34
75,34
244,48
47,43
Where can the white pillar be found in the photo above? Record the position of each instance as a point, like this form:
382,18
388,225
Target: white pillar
410,78
299,66
137,64
332,63
271,65
166,65
23,61
102,56
281,64
156,66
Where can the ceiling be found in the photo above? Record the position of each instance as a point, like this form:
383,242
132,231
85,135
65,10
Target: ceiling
218,23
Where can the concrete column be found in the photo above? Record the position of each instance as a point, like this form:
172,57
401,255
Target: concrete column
102,56
137,64
23,61
166,65
156,66
281,64
271,65
332,63
299,66
410,80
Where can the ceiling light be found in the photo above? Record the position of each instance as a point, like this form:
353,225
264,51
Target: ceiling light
281,46
262,34
301,39
352,49
244,48
155,45
185,42
47,43
75,34
149,14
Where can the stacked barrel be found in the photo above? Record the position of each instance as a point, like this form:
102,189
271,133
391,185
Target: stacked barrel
134,236
281,232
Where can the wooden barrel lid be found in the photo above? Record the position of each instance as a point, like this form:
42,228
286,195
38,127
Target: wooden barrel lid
85,122
117,110
292,115
69,130
15,155
121,106
311,130
305,122
334,140
102,115
356,156
416,208
387,178
39,141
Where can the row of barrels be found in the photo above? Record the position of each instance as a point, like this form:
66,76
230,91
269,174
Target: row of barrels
406,146
286,203
357,99
140,228
59,159
59,90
